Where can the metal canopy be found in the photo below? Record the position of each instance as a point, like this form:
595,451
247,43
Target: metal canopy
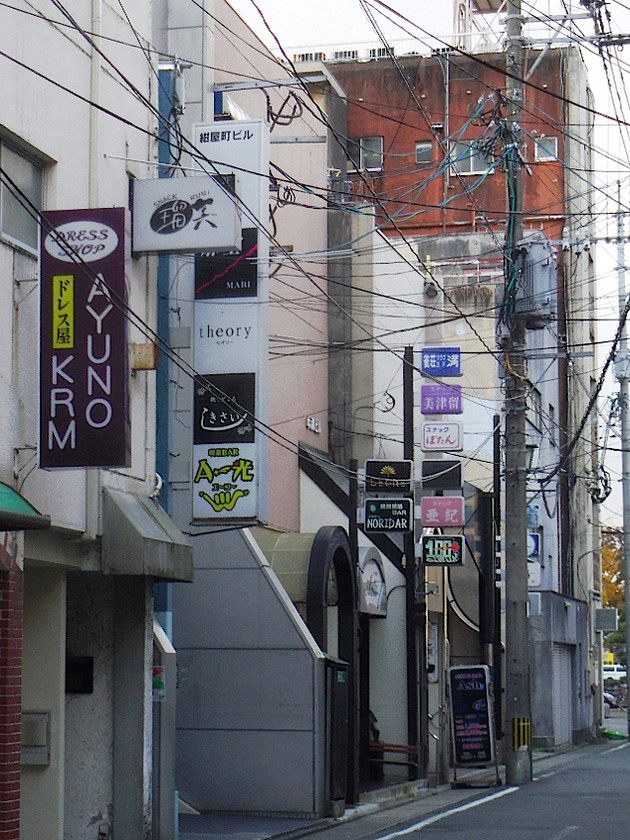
140,538
16,514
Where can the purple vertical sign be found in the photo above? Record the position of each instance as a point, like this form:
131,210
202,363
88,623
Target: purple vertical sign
84,411
441,399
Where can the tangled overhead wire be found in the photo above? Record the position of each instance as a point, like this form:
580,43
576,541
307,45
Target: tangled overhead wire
285,115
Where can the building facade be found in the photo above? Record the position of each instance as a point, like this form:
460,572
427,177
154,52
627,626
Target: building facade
73,134
426,150
377,225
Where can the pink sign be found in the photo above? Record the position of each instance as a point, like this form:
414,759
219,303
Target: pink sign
442,511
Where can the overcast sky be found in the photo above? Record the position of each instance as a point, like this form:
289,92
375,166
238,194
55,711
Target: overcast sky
317,22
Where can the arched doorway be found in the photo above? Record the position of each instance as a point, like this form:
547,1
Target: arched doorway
332,576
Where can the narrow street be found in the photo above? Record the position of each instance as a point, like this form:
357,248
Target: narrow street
581,795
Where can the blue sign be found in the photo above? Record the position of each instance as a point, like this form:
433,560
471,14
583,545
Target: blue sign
441,361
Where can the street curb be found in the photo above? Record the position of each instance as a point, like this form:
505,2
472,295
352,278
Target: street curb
422,792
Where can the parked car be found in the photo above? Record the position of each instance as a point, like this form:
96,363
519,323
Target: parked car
614,672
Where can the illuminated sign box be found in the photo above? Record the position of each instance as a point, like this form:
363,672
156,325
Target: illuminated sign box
441,475
442,511
230,337
471,715
442,437
84,411
441,361
385,515
442,551
388,476
186,215
441,399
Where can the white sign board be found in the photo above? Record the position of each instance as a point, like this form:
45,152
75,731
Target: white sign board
226,335
184,215
230,338
442,437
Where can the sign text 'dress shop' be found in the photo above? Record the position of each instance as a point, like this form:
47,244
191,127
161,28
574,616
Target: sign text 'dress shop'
84,418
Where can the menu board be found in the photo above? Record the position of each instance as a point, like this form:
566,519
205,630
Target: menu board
471,718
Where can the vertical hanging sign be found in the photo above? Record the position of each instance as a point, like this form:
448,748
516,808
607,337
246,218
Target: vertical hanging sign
230,336
84,411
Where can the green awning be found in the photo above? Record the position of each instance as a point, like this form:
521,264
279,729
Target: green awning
16,514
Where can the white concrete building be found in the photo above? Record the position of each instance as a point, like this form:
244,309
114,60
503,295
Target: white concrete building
77,125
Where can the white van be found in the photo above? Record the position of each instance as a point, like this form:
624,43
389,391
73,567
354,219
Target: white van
614,672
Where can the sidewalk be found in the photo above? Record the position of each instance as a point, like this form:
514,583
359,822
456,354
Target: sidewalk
228,827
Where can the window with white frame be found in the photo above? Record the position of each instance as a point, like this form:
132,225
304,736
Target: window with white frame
424,151
534,413
366,153
545,148
22,179
552,428
467,159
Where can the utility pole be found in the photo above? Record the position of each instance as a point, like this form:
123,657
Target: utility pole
415,665
517,744
622,373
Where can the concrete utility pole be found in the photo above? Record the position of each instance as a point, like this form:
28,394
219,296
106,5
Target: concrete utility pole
623,377
415,663
517,744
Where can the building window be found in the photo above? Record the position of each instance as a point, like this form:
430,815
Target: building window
534,414
466,159
552,426
424,152
366,153
380,52
311,56
343,55
17,222
545,148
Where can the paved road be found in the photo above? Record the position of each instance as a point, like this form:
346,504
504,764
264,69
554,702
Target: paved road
580,796
616,720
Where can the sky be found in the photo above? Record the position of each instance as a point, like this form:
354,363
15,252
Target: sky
330,22
325,23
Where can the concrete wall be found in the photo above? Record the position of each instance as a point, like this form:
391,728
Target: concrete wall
87,166
558,620
43,687
250,704
87,158
73,796
90,716
133,661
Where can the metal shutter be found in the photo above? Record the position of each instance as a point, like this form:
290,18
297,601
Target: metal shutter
561,694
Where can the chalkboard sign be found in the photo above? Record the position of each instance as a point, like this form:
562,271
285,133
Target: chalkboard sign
471,718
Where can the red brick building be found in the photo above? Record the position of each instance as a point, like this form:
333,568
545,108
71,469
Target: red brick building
406,117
